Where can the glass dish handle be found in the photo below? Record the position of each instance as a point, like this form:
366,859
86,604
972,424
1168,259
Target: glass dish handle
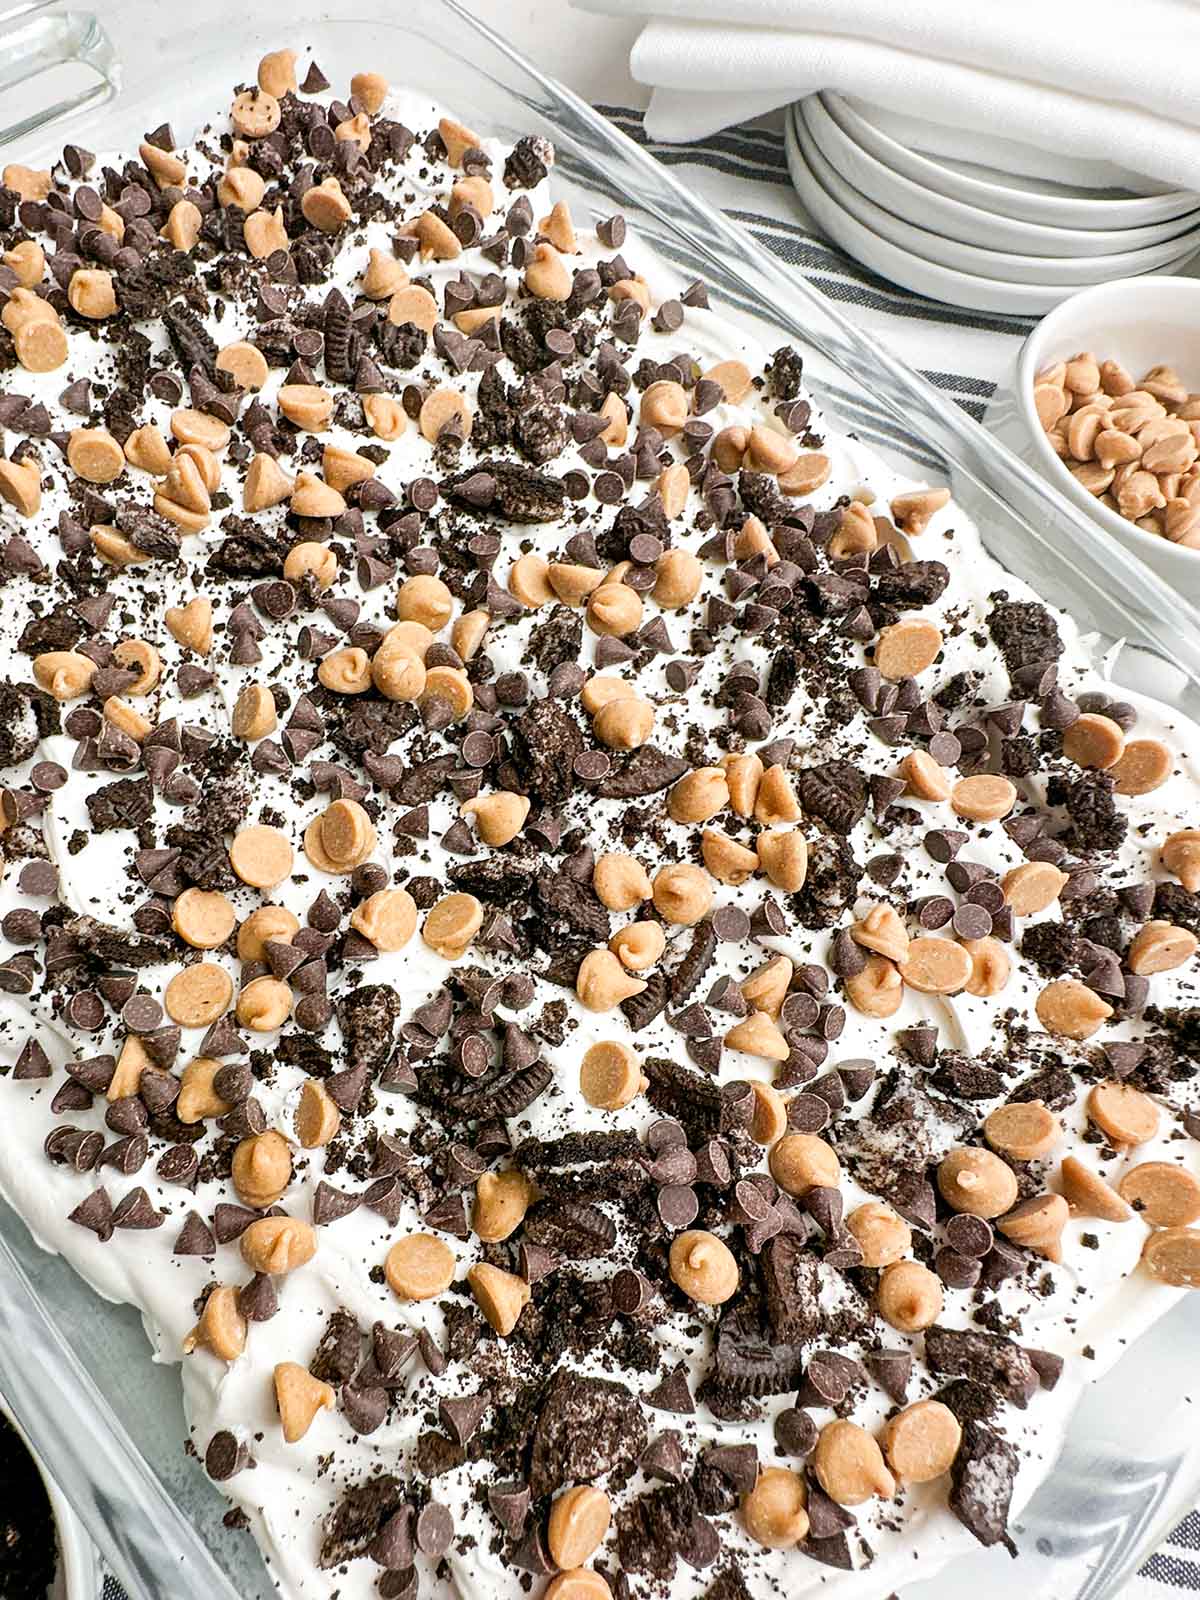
53,63
86,1452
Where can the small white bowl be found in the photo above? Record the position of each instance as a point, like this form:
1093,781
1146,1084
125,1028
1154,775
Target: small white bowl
1005,266
77,1575
971,223
1138,322
1010,200
901,266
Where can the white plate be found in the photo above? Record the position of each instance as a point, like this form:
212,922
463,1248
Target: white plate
1006,197
995,264
991,158
901,266
939,213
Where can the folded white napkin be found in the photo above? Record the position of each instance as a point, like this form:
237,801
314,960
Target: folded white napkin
1103,82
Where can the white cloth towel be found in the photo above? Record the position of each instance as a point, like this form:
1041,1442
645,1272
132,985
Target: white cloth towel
1096,79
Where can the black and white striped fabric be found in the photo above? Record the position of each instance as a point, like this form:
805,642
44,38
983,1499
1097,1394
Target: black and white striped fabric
744,171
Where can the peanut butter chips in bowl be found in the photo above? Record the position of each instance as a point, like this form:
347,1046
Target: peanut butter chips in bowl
1105,403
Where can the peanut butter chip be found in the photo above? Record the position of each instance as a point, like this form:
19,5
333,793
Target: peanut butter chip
1180,854
1070,1009
704,1267
783,856
203,918
580,1583
387,918
849,1465
909,1296
278,1245
441,409
419,1267
501,1201
1173,1256
254,714
264,1004
878,990
1160,947
261,856
341,838
603,981
921,1441
801,1161
95,455
501,1296
326,206
1037,1224
983,798
936,966
191,625
880,929
990,966
254,114
775,1511
198,995
1145,764
299,1397
317,1116
758,1035
905,649
198,1097
977,1182
1162,1194
579,1520
924,776
1024,1130
610,1076
451,925
881,1234
1122,1112
734,377
1032,887
1093,740
275,923
414,305
262,1169
221,1329
1088,1193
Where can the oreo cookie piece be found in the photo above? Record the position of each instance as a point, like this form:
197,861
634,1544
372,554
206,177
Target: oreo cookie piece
647,771
981,1484
519,493
358,1517
585,1166
571,1229
989,1358
750,1362
656,1529
545,743
585,1427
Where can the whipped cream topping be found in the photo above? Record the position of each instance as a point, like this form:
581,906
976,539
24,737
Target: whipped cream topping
1085,1309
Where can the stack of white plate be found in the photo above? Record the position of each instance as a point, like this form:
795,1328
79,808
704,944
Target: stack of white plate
971,235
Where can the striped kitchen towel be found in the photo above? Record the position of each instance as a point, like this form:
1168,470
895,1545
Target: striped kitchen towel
744,171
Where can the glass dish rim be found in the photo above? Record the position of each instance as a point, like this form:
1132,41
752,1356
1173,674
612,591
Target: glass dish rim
962,442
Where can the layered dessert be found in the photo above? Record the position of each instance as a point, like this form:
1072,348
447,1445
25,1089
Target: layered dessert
619,996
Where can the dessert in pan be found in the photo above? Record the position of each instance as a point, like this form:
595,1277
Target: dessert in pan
619,996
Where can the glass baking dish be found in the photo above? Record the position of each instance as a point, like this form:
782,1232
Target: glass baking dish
108,1423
